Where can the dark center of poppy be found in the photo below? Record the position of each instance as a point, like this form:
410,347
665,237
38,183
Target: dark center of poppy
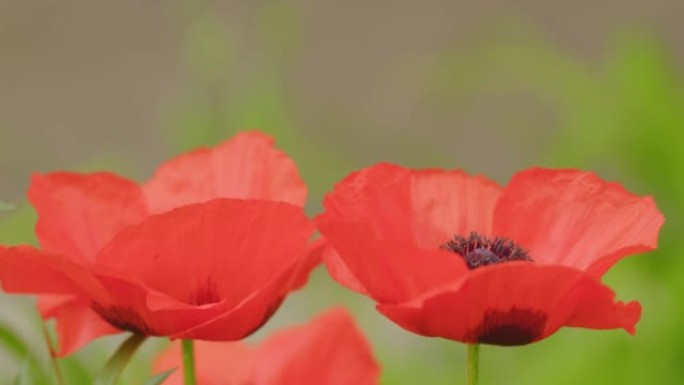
478,250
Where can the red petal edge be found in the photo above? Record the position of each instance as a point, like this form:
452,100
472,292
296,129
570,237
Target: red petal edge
329,349
247,166
574,218
80,213
514,304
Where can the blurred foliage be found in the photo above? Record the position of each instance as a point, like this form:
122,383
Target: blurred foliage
224,102
4,206
624,118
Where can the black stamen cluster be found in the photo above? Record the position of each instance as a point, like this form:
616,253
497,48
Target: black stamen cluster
478,250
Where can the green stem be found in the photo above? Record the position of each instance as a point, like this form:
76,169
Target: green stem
473,364
189,362
117,363
53,354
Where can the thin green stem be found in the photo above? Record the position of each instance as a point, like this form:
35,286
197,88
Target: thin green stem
473,364
189,362
53,354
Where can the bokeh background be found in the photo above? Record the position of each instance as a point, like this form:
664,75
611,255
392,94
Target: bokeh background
491,87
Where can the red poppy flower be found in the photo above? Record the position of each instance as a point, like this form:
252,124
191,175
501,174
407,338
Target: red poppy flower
457,256
328,350
178,256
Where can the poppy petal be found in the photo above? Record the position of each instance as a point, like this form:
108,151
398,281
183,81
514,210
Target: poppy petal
27,270
80,213
137,308
574,218
239,321
330,349
248,166
77,325
514,304
447,203
216,363
339,271
49,304
378,195
236,247
312,258
390,271
425,207
251,314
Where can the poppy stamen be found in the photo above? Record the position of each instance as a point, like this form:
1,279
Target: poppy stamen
478,250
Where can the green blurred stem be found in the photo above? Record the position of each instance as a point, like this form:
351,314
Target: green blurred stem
473,364
117,363
189,362
53,354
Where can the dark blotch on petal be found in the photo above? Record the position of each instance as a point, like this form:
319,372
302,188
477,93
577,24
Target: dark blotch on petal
205,294
509,328
124,318
270,311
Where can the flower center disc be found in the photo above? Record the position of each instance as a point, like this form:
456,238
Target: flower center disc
478,250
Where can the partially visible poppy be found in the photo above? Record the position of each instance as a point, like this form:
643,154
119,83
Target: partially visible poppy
329,350
173,256
447,254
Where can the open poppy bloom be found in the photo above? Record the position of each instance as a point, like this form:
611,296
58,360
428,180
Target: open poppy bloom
206,249
329,350
447,254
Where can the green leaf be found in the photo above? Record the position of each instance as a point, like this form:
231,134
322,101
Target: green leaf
159,378
11,342
117,363
24,376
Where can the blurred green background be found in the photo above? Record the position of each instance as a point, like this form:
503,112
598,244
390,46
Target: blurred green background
490,87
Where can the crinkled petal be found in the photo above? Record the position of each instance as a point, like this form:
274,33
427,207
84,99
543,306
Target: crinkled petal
330,349
574,218
448,203
514,304
379,196
248,166
386,224
425,207
389,271
80,213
